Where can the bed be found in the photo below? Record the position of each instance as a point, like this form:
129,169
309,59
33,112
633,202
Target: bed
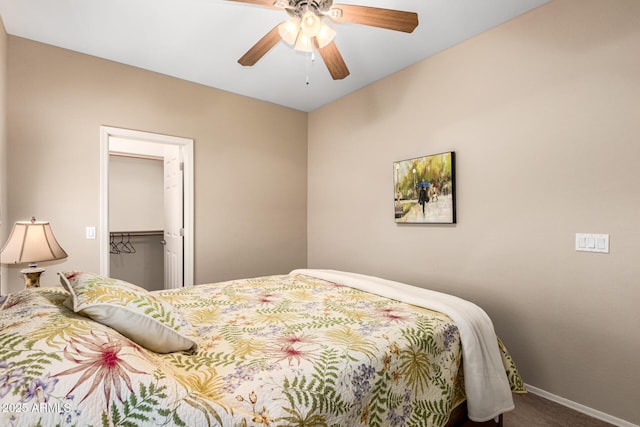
309,348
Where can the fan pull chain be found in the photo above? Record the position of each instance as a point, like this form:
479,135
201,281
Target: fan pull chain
311,57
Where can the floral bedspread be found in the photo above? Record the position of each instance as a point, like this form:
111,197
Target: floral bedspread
273,351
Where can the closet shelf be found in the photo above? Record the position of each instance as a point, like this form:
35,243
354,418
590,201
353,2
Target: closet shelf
137,233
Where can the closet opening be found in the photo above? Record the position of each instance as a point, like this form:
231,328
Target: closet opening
136,219
146,225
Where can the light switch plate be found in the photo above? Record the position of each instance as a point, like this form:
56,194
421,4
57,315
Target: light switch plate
90,233
592,243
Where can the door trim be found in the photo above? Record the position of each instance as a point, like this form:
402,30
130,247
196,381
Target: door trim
107,132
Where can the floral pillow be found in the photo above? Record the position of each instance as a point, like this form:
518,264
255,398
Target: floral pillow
45,298
129,309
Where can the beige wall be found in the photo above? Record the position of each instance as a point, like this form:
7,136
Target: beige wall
250,159
543,113
136,194
4,228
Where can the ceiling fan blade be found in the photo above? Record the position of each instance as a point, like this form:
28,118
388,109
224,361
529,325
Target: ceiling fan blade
258,50
333,60
263,3
389,19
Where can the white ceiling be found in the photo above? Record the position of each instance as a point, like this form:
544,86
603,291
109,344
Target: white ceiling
201,40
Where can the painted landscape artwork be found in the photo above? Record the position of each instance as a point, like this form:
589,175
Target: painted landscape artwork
424,189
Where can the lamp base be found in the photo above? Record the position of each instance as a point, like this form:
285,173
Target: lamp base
32,277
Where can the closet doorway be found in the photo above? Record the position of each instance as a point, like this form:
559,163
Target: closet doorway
168,222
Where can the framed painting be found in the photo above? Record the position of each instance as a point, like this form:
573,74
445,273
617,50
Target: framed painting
424,189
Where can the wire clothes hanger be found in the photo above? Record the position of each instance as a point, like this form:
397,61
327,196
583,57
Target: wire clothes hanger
124,247
120,247
129,246
113,247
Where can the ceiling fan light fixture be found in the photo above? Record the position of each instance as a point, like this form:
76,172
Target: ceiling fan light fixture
310,24
304,43
289,30
325,35
309,30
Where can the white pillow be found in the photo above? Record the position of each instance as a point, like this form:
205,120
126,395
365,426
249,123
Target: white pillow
129,309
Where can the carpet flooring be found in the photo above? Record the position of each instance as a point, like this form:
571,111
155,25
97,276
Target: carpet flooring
535,411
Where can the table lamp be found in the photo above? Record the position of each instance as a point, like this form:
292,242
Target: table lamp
31,242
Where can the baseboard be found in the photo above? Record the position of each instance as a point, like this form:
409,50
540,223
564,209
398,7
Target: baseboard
580,408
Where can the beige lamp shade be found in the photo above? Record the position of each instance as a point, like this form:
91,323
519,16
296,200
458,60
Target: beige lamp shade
31,242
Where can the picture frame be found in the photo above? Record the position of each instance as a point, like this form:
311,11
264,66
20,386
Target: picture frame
424,189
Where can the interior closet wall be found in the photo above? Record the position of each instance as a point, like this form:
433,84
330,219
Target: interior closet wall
135,206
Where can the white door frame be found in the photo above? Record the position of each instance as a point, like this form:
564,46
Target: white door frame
106,133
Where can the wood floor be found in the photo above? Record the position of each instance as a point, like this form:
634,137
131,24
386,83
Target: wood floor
535,411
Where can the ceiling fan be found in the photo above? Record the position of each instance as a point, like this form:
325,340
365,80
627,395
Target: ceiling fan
305,28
